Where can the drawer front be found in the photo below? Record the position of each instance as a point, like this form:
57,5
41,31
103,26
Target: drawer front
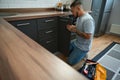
47,32
21,23
47,23
28,27
49,43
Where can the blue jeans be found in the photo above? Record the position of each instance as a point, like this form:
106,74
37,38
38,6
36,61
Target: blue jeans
76,54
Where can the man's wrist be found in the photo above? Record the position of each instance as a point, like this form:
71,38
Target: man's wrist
78,32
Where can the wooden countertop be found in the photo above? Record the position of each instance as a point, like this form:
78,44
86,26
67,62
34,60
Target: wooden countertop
33,15
21,58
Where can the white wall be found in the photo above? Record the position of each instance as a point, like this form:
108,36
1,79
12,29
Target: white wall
66,1
87,4
29,3
38,3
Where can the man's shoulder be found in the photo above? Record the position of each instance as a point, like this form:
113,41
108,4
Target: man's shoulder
88,17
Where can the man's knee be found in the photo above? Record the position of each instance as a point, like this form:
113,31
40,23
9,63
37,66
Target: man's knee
80,63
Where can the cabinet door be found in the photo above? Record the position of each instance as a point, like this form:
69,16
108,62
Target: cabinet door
108,6
104,22
97,13
29,27
63,36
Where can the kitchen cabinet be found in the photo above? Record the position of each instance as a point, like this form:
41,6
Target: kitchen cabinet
50,32
101,13
47,33
28,27
64,35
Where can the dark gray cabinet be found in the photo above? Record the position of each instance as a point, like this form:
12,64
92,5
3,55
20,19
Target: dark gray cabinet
63,35
29,27
50,32
47,33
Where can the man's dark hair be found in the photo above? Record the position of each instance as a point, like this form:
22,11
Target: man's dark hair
75,3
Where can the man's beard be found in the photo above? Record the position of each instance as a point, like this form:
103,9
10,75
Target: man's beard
77,15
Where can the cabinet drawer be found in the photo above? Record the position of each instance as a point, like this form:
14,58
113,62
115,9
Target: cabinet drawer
20,23
49,43
47,23
28,27
48,32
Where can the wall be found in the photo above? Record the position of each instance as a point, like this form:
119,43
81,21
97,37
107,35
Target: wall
87,4
115,14
29,3
66,1
39,3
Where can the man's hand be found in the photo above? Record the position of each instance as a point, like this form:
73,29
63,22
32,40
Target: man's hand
71,28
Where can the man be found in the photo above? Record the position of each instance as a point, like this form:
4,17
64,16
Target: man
84,30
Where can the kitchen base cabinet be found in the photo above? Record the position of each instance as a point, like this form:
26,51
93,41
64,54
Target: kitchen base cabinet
29,27
47,33
50,32
63,36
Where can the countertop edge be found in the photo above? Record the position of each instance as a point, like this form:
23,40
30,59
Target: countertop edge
23,16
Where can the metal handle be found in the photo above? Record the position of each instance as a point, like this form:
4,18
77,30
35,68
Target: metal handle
48,42
23,24
49,32
64,20
49,20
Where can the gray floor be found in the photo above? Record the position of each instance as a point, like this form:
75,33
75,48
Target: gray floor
111,61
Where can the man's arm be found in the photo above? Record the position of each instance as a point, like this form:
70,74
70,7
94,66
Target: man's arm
73,28
84,35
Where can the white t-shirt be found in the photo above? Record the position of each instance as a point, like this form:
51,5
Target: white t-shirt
85,24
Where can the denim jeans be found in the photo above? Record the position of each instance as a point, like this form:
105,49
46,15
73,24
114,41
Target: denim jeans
76,54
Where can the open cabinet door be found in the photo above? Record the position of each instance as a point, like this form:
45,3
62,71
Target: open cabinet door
63,36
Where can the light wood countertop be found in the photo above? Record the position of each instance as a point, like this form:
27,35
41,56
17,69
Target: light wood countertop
21,58
33,15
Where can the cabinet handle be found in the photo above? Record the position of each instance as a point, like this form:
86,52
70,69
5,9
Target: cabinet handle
47,42
49,32
23,24
64,20
49,20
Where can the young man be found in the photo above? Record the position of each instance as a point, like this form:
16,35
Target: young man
84,30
